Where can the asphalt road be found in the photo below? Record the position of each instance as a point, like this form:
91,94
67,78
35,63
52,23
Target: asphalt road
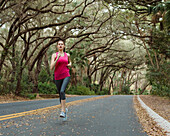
111,116
16,107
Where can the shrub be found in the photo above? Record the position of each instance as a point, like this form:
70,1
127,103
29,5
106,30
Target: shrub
71,90
115,93
80,90
26,88
146,92
161,90
7,87
100,93
95,87
10,87
47,88
105,91
86,81
159,77
125,90
31,96
44,76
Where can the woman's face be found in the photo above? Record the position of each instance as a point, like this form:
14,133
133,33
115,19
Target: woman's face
60,46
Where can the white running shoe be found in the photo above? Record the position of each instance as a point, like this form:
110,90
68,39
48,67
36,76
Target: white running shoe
62,114
64,119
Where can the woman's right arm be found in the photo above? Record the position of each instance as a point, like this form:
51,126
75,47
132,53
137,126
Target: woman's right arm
53,61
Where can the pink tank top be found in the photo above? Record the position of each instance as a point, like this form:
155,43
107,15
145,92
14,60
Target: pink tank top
61,70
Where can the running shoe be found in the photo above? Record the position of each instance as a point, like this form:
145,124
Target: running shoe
64,119
62,114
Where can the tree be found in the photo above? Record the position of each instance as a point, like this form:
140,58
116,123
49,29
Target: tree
111,35
32,29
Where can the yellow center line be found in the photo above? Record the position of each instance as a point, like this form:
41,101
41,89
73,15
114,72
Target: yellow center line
27,112
15,115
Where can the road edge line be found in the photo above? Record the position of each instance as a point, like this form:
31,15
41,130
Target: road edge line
163,123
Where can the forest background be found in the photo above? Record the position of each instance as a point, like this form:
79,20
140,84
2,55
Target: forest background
116,47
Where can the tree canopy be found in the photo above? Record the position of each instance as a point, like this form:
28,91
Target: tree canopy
103,38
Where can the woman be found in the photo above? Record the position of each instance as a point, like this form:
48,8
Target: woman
61,61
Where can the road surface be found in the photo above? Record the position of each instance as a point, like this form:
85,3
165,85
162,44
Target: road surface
110,116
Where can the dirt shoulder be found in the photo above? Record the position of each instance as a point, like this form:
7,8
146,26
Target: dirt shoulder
148,124
12,98
160,105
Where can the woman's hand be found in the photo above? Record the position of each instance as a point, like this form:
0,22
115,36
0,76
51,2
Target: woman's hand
54,60
69,65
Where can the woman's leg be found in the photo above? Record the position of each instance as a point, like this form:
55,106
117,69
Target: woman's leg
62,92
58,85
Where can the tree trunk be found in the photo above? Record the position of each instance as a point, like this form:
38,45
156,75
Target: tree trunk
73,77
89,77
144,44
143,88
18,87
46,64
136,84
101,86
120,86
36,73
111,86
95,77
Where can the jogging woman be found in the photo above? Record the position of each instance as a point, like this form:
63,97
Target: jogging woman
61,61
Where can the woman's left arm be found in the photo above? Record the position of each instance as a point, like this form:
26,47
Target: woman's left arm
69,60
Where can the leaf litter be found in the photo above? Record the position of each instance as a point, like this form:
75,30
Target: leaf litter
148,124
